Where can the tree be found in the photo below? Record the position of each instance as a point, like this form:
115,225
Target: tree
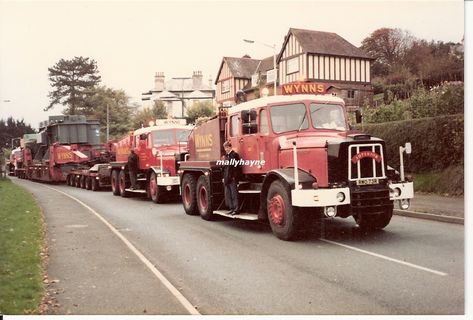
388,46
95,105
200,109
157,111
11,129
72,81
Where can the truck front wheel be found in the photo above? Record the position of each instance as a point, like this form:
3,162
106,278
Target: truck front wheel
114,181
282,216
154,192
122,183
189,199
204,199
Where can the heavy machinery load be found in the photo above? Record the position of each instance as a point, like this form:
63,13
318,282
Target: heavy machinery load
62,144
299,161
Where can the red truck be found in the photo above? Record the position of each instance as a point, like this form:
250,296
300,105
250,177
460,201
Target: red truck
300,160
63,143
159,148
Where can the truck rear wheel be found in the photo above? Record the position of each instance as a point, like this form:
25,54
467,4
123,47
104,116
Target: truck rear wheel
189,199
122,183
204,199
68,180
114,182
282,216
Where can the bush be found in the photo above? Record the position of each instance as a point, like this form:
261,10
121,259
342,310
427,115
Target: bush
445,99
437,143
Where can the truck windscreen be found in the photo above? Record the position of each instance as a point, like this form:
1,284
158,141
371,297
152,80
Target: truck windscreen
169,137
327,116
289,117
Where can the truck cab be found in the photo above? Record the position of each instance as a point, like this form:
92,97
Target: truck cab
159,148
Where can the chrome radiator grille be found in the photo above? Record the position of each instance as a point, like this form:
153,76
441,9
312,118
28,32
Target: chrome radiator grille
366,162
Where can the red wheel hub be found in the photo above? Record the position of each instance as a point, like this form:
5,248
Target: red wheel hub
203,198
277,209
152,185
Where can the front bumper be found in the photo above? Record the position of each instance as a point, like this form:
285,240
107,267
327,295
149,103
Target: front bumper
319,197
405,190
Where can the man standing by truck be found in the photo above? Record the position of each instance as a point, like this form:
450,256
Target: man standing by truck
133,168
230,178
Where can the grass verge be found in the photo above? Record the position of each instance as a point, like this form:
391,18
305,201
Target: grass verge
448,182
21,242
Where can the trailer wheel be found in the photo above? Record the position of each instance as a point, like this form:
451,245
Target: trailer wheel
82,182
77,181
94,184
114,182
68,180
282,216
88,183
204,199
189,198
154,191
122,183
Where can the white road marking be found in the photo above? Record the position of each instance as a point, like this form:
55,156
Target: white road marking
178,295
439,273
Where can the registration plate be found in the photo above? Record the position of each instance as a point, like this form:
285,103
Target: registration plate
367,182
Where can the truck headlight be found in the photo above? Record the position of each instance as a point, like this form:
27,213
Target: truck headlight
396,192
340,197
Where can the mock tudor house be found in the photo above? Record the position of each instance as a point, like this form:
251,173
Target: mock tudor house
178,94
309,62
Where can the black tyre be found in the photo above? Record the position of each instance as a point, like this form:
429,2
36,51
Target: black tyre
77,181
122,183
115,183
204,198
94,184
82,181
88,183
155,192
189,198
383,219
282,216
68,180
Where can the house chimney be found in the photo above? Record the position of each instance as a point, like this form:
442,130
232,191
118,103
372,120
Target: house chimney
197,80
159,81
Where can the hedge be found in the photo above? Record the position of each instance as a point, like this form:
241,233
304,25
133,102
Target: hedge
437,143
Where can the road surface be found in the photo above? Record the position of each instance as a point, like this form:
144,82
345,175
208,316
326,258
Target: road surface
238,267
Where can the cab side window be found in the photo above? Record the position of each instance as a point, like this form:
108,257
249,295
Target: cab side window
263,122
234,125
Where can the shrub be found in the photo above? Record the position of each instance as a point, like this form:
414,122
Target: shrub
437,143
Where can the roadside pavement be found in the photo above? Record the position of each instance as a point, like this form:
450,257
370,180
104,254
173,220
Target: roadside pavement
90,270
435,207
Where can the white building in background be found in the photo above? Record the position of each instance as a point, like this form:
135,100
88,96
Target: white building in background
178,94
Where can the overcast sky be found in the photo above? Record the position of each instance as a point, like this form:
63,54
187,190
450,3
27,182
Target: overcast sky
132,40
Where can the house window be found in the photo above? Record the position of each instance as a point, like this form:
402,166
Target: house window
225,86
292,65
351,94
